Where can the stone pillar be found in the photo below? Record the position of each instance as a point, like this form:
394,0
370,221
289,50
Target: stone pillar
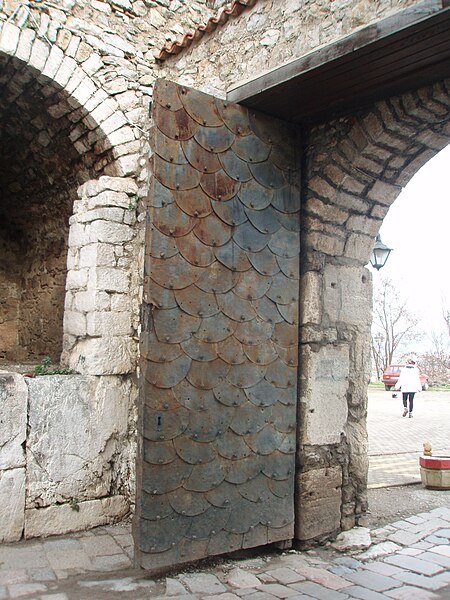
335,357
13,431
101,299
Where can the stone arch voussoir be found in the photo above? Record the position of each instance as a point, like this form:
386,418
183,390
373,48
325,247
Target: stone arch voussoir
98,122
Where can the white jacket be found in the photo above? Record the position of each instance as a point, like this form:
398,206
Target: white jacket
409,380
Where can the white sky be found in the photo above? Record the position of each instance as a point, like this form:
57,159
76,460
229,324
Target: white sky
417,227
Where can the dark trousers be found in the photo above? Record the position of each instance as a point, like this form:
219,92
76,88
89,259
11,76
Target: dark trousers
408,396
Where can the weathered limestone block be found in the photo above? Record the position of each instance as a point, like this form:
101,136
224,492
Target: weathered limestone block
347,295
78,436
59,519
13,420
319,503
324,389
311,293
12,502
104,356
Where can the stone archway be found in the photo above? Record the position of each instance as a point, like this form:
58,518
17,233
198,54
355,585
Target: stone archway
58,130
355,167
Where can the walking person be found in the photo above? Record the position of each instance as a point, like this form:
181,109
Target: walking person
409,384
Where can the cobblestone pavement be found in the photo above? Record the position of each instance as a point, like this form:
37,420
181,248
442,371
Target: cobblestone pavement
395,443
408,560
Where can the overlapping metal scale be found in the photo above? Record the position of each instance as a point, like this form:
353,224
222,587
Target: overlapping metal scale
220,333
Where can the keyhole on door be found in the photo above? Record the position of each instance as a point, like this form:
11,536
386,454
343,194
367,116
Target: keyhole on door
159,422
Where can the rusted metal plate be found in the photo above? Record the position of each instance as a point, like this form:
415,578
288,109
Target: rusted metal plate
219,186
285,334
159,296
215,329
246,374
225,495
284,419
230,350
256,490
214,139
166,94
194,251
234,166
232,446
217,278
159,453
254,332
176,125
175,177
192,398
283,290
247,420
268,175
288,355
265,394
242,517
229,395
251,148
155,507
235,117
170,477
161,196
289,312
154,350
278,514
277,467
167,375
174,326
264,262
231,211
281,375
200,107
265,221
207,375
161,426
261,354
286,199
252,285
285,243
290,266
204,526
236,308
198,350
282,489
171,221
194,453
174,272
168,149
212,231
187,503
264,442
194,301
159,398
206,477
154,534
254,195
249,238
206,426
201,159
193,202
244,470
267,310
233,257
289,222
161,245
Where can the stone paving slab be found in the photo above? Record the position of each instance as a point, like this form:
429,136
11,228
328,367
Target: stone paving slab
96,566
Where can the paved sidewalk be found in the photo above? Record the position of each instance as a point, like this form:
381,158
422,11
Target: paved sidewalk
408,560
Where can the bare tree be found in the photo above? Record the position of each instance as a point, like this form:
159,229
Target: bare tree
436,361
393,324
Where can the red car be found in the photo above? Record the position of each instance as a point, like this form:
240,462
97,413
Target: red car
392,373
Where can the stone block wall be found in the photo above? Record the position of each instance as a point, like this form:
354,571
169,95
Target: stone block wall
67,451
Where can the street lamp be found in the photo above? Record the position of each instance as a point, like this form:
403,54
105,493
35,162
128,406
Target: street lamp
380,254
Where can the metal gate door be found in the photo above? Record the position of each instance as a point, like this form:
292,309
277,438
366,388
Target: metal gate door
220,331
